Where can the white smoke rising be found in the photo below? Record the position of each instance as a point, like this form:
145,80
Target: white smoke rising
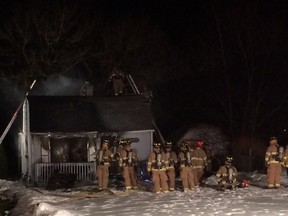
211,135
57,85
9,93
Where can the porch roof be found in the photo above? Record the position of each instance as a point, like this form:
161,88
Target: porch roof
89,113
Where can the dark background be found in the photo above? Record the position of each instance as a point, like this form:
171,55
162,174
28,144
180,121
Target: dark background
218,62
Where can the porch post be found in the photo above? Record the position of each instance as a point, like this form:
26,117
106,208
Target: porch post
27,169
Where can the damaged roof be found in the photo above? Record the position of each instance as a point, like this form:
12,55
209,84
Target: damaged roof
89,113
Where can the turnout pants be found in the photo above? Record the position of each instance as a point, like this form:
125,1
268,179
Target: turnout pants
102,173
187,176
199,175
129,176
159,179
171,177
273,175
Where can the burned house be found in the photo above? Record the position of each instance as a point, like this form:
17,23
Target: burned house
61,132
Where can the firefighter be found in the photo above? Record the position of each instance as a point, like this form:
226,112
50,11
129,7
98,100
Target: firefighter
209,155
199,162
273,163
103,159
87,89
226,175
128,162
117,78
186,170
172,161
157,165
285,158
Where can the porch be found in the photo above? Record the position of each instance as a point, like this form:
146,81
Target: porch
84,171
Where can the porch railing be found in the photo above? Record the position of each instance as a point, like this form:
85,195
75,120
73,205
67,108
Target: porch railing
84,171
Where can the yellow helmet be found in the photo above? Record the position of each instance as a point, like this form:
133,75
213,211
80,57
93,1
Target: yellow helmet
273,140
105,141
157,145
125,142
168,144
229,159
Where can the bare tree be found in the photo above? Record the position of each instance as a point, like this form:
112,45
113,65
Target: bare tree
246,67
42,38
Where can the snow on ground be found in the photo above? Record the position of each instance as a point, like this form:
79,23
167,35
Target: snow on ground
254,200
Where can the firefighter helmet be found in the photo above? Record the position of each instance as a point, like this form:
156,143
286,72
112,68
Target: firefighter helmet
199,143
186,141
168,144
105,141
183,145
125,141
273,140
229,159
157,145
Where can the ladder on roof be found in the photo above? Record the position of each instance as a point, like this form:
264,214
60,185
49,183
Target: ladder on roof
132,84
158,133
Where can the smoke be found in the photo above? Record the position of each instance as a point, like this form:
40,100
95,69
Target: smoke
57,85
10,96
211,135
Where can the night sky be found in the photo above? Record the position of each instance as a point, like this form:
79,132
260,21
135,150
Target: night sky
217,62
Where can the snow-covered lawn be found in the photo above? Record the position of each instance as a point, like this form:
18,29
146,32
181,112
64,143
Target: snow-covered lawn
254,200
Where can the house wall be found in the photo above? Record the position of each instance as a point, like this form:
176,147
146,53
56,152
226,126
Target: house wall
36,149
144,146
23,150
35,153
29,155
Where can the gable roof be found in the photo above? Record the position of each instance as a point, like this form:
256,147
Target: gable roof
89,113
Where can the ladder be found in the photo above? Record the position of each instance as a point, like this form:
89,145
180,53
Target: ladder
132,84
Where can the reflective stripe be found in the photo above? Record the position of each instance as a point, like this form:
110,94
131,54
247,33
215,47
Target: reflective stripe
163,169
170,167
197,158
163,161
198,167
273,161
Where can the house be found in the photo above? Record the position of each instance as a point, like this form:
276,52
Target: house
61,132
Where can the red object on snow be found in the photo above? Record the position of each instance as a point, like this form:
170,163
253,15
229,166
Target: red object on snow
244,184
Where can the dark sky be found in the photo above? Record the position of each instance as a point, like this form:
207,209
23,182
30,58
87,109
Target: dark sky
194,31
221,62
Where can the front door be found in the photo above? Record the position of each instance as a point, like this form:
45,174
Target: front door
64,150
